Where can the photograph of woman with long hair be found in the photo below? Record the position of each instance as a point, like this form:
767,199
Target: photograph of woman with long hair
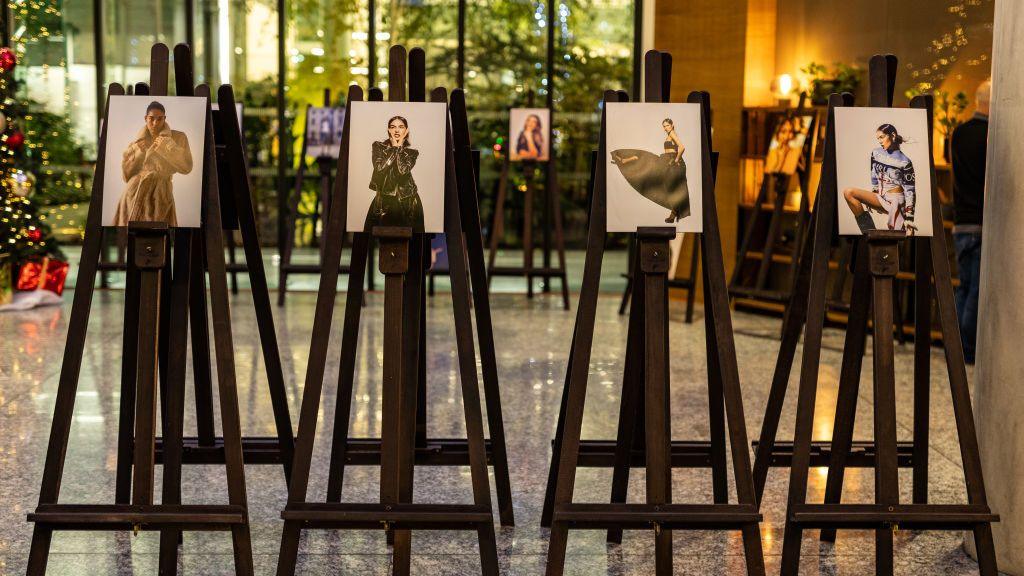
148,166
660,178
787,145
397,202
530,144
892,185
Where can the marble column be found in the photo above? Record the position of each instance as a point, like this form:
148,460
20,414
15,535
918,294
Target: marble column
999,375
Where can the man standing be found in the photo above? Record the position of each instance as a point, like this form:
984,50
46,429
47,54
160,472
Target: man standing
968,155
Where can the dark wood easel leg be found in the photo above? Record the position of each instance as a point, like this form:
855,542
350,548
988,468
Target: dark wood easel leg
174,408
346,370
201,360
562,478
716,404
528,229
628,291
229,236
498,223
748,231
658,431
556,442
556,209
394,263
470,213
461,306
691,292
290,219
849,379
817,269
922,365
884,259
632,410
126,412
960,393
792,326
774,228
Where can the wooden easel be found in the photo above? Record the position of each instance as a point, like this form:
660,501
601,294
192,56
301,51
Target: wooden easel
875,265
644,421
777,184
237,213
688,282
403,441
154,343
287,267
552,216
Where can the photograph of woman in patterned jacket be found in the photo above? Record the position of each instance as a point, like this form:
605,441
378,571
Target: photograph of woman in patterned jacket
397,202
148,164
892,186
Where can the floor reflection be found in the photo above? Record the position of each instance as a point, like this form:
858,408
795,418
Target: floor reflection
533,340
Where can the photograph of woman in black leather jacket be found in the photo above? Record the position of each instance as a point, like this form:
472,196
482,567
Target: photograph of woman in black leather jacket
397,202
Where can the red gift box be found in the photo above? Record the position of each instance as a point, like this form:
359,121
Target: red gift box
45,274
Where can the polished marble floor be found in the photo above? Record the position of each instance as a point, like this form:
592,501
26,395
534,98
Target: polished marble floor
533,341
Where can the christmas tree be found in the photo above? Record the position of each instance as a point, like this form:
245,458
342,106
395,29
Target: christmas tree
24,233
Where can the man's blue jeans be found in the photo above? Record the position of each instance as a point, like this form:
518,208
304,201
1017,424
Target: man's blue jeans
968,260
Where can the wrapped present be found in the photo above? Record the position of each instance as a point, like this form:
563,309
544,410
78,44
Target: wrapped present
39,283
46,274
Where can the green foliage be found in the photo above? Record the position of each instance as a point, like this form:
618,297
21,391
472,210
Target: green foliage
948,109
823,82
62,185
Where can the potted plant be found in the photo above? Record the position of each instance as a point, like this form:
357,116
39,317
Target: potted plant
822,81
947,116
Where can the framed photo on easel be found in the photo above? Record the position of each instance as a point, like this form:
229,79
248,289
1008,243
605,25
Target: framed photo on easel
882,159
786,147
396,166
529,132
154,171
654,170
323,131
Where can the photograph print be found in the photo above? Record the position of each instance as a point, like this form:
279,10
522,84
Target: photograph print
153,169
654,166
786,148
529,134
396,165
883,170
324,127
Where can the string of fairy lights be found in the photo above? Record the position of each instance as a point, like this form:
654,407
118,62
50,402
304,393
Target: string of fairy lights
948,47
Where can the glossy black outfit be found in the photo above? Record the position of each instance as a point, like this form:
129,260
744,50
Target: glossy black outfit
397,202
660,179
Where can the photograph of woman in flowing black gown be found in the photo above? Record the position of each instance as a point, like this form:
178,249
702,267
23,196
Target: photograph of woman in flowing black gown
659,178
397,202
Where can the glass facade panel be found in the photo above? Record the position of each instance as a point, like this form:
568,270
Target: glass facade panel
327,46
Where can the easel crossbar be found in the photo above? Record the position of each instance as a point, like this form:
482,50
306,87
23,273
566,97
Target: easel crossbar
129,517
395,515
698,454
669,516
909,516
